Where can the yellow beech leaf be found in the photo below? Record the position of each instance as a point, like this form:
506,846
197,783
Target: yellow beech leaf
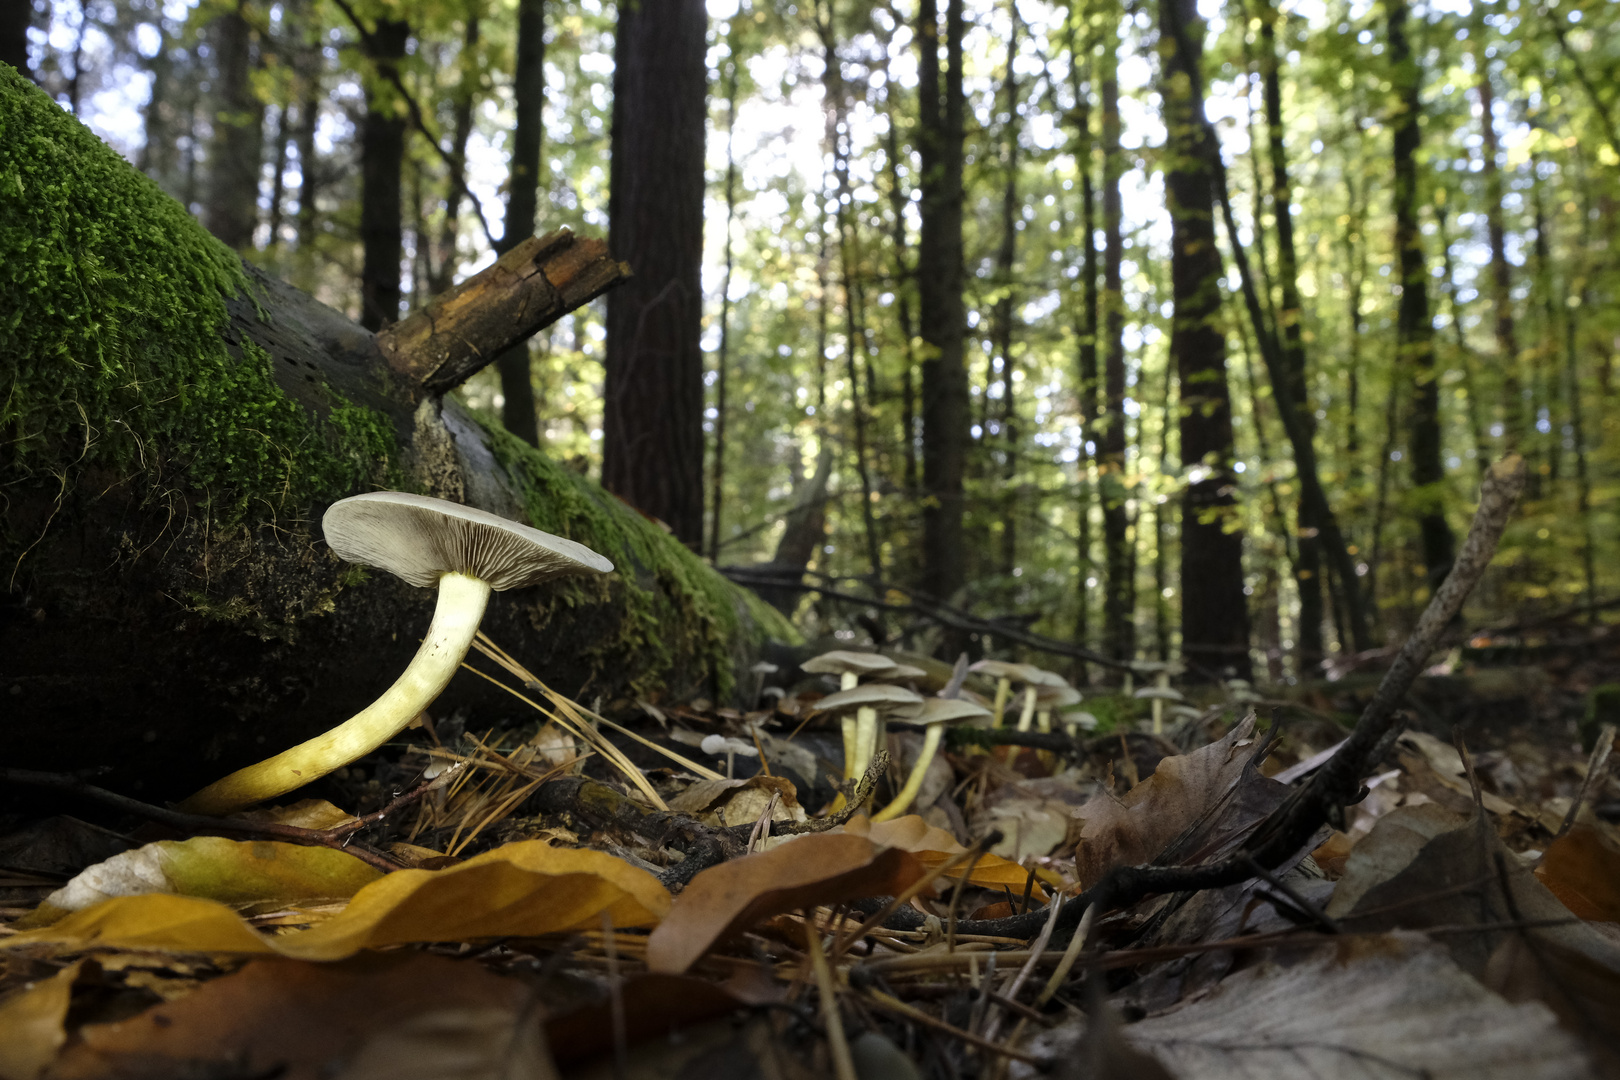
31,1030
520,890
932,846
819,868
242,873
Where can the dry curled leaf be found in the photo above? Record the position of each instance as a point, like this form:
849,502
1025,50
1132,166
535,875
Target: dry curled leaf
520,890
1190,800
820,868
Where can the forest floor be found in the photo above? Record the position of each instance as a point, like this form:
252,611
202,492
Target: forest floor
540,915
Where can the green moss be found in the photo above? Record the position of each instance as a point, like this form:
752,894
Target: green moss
667,585
112,301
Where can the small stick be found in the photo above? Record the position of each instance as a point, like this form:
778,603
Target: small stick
1070,955
1596,766
843,1063
876,919
900,1008
1035,951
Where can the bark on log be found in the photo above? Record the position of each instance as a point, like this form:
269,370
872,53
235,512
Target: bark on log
172,425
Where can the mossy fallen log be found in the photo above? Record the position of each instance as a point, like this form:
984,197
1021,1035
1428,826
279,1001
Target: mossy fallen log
172,425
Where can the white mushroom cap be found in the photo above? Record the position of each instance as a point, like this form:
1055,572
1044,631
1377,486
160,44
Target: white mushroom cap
844,661
897,701
1161,693
1028,674
902,671
420,539
1056,697
949,711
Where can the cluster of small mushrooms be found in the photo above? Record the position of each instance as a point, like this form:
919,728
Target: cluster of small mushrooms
864,707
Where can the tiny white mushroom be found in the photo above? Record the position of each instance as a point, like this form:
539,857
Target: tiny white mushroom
464,552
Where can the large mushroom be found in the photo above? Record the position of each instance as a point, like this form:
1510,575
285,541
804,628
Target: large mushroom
465,553
936,714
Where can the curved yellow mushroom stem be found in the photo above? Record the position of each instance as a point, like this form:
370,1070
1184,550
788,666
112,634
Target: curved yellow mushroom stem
914,782
455,622
866,736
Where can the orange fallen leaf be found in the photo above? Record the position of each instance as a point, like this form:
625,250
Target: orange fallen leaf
821,868
1583,870
520,890
933,846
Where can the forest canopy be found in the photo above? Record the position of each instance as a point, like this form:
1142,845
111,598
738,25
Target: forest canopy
1164,332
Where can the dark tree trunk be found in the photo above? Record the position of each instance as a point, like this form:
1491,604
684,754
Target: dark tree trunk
1086,331
722,359
523,202
278,183
1214,615
1006,306
466,90
1119,596
309,114
158,157
939,286
653,413
1308,557
15,18
382,157
903,287
237,150
1414,328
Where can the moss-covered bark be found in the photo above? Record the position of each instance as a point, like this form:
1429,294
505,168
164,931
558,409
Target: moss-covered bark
172,424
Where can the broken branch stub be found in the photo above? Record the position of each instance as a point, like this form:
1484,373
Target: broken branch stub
530,287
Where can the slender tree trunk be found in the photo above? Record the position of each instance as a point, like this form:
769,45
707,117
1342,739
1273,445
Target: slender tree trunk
522,203
653,413
1086,331
444,270
1583,482
159,156
1465,354
1308,567
382,158
309,113
939,281
1544,375
1002,315
237,149
1119,592
1514,420
1355,251
1214,612
848,259
278,181
1414,327
722,358
903,286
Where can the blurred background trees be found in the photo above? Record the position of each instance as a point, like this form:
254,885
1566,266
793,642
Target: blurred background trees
1174,331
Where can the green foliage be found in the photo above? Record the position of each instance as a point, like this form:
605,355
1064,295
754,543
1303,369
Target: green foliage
111,357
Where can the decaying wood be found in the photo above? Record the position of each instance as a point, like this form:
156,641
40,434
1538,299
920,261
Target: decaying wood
530,287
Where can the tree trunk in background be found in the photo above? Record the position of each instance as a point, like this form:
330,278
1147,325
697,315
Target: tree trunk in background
1214,615
653,413
310,64
1414,328
1308,560
15,18
802,532
1119,597
382,156
939,286
159,157
1514,427
722,359
1002,315
1086,327
236,151
522,203
444,273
